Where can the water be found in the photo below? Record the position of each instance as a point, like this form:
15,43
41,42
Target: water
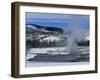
81,61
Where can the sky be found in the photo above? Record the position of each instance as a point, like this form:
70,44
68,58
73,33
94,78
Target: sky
57,20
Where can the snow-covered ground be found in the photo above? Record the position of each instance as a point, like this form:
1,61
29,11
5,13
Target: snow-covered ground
41,64
53,50
46,50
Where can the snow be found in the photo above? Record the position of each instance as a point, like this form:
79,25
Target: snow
32,27
54,50
87,38
33,51
30,56
44,30
52,38
41,64
35,28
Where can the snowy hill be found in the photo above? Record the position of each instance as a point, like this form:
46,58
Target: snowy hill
42,29
41,36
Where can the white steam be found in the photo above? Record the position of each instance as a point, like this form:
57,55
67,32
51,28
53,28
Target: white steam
76,32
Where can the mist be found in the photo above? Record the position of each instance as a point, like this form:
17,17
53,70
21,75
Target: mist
75,32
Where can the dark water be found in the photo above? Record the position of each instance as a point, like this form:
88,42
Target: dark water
32,62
